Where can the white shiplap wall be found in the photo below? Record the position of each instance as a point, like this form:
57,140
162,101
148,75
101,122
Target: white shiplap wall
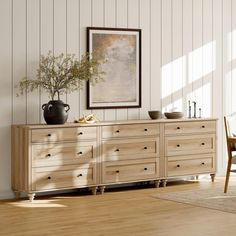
188,52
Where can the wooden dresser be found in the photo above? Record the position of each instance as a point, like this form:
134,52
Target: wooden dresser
56,157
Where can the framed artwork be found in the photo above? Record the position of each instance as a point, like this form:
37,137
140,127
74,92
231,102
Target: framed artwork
121,87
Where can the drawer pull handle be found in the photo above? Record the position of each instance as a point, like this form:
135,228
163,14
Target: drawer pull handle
117,171
80,153
117,150
145,147
79,175
49,177
178,145
178,165
49,135
145,168
48,155
117,131
203,163
145,129
80,133
203,126
178,127
203,143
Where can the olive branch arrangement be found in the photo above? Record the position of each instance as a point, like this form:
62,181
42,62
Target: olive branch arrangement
64,73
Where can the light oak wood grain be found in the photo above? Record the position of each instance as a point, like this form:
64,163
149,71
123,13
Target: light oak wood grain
133,212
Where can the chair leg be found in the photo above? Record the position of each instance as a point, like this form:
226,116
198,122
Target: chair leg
227,175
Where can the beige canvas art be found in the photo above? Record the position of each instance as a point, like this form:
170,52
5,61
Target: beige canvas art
121,84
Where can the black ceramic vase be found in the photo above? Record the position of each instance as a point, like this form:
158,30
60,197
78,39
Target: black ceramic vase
55,112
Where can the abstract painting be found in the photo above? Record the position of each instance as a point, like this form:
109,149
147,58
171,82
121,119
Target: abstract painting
121,87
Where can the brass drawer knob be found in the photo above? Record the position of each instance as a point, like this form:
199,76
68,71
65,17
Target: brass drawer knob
80,153
48,155
145,147
145,129
145,168
117,150
80,133
49,135
49,177
203,126
178,165
117,131
79,175
203,143
203,163
178,127
117,171
178,145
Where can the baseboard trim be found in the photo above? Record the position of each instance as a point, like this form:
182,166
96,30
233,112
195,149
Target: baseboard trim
4,195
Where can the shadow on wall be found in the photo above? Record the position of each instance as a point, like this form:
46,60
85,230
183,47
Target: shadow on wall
190,78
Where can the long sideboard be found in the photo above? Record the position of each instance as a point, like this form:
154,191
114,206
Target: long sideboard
59,157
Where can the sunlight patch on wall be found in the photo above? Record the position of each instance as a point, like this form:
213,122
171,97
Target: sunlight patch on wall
232,91
188,73
202,61
207,100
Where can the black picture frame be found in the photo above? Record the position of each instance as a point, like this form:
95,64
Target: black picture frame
121,87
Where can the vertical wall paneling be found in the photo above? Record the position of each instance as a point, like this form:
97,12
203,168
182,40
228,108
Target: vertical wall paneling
98,21
121,22
33,47
110,21
227,56
72,47
166,78
217,88
155,54
60,31
85,21
188,53
233,57
19,58
47,38
208,60
133,21
5,96
187,49
197,53
177,54
145,24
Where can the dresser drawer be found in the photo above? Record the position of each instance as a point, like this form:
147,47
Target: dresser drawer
190,127
193,144
187,166
48,178
137,130
115,150
63,134
125,172
52,154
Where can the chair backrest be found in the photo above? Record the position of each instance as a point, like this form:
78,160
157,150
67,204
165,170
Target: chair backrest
230,125
230,129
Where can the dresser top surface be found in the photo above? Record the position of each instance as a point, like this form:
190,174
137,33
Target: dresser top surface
118,122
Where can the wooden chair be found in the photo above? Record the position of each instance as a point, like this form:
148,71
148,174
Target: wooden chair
230,129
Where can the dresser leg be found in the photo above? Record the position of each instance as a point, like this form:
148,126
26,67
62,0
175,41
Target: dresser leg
164,181
157,183
102,189
212,177
94,190
31,196
196,177
17,194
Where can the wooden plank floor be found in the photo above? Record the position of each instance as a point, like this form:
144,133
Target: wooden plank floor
132,212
